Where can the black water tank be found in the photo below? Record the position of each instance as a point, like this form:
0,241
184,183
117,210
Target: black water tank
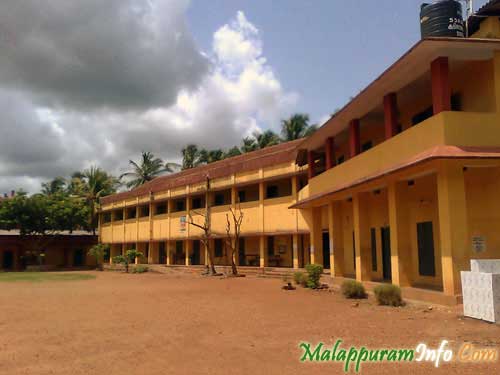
442,18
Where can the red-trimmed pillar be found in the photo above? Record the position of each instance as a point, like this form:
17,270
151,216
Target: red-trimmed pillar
441,91
329,153
354,138
391,115
310,162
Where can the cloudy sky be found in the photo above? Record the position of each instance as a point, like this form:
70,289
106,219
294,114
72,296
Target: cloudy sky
96,82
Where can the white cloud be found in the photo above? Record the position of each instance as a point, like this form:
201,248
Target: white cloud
240,93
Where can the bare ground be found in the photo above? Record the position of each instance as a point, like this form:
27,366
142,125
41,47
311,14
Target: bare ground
187,324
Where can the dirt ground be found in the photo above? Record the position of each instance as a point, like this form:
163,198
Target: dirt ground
187,324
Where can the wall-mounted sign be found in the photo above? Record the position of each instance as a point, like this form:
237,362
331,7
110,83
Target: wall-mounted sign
182,227
478,244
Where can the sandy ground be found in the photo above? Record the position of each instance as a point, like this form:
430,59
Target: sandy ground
182,324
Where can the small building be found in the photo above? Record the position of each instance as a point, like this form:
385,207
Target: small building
61,251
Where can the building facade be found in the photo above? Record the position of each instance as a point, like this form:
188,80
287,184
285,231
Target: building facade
400,186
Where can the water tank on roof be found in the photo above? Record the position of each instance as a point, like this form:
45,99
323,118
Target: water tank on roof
442,19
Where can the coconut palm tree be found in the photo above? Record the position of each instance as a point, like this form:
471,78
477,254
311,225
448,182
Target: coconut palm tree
149,168
234,151
248,144
55,186
190,155
266,139
296,127
209,156
94,183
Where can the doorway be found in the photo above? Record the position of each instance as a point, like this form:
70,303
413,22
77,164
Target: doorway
195,258
386,253
241,253
8,260
426,258
326,250
78,258
162,255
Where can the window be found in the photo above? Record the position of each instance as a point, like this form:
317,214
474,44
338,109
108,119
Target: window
242,196
456,102
222,198
219,251
270,246
280,188
161,208
144,211
179,205
131,213
366,146
302,181
106,217
341,159
272,191
118,215
248,193
422,116
197,203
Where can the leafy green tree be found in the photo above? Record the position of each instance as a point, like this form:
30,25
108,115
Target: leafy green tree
98,251
190,155
296,127
129,257
40,217
55,186
146,170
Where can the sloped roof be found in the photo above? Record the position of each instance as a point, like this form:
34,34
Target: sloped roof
282,153
490,9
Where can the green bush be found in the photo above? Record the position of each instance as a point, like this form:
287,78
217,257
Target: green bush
300,278
140,269
314,272
388,295
353,289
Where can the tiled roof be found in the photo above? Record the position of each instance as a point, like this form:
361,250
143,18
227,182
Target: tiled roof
491,8
282,153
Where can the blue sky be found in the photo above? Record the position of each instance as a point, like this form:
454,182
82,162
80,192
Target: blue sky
326,50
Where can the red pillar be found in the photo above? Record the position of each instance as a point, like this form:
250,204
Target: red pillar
310,162
354,138
441,92
391,115
329,152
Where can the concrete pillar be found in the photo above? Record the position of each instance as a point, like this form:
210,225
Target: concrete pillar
330,152
189,248
390,115
354,138
316,245
453,230
361,238
295,250
336,239
168,245
401,257
263,251
441,91
310,165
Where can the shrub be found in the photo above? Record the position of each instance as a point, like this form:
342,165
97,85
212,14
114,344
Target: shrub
140,269
353,289
388,295
314,272
300,278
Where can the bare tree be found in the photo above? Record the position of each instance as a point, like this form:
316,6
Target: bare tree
233,234
206,227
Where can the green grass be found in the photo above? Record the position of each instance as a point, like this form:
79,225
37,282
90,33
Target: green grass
36,277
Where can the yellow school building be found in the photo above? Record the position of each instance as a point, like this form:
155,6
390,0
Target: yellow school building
401,185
